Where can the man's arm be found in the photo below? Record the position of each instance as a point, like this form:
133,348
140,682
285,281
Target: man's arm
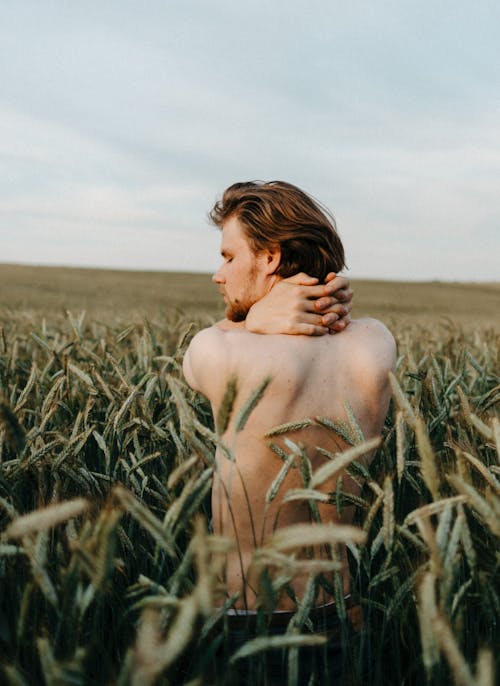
300,305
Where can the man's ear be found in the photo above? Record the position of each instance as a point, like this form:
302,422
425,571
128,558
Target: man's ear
272,260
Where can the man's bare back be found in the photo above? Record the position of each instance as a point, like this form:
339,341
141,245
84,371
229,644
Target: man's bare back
310,377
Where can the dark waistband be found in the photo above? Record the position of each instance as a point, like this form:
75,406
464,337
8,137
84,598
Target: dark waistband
248,618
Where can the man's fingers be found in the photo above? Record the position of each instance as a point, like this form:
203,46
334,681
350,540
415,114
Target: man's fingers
329,319
341,309
322,304
340,324
311,318
314,292
325,305
302,279
338,283
347,306
343,295
347,294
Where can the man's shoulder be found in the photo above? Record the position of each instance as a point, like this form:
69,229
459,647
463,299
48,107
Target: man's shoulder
201,356
221,333
205,336
207,342
209,353
371,345
370,328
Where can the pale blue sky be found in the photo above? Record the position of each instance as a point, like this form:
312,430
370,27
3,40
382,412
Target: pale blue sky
121,122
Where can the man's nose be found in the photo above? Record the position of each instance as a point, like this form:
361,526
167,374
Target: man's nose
217,277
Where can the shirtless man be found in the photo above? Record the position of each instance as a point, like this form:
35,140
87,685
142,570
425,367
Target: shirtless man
271,231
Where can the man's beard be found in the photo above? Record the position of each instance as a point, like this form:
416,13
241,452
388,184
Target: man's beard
237,311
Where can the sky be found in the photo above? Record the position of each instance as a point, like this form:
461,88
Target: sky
122,122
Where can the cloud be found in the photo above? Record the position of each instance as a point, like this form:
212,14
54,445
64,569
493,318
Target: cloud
125,122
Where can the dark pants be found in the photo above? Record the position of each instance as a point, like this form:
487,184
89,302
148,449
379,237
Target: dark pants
312,665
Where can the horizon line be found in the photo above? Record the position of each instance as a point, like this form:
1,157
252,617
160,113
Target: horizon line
36,265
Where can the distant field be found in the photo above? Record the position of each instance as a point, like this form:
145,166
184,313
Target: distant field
48,291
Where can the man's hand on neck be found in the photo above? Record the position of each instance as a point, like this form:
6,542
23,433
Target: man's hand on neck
300,305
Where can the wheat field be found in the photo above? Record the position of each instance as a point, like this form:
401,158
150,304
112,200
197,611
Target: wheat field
109,573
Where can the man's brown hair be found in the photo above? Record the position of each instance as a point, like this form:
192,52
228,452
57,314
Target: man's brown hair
278,214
